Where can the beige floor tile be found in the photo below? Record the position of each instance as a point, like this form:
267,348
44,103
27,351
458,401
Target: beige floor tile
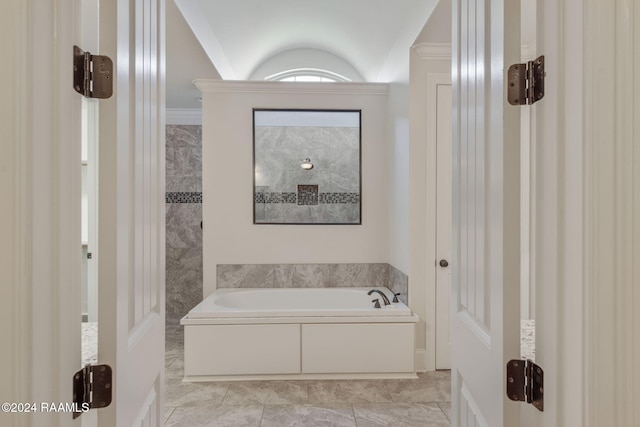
431,387
400,414
308,416
356,391
174,369
179,394
168,410
446,408
216,416
266,393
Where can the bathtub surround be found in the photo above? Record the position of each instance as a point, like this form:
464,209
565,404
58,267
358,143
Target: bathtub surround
313,276
183,215
329,333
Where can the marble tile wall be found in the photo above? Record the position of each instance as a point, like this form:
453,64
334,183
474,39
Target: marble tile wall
183,217
335,154
312,276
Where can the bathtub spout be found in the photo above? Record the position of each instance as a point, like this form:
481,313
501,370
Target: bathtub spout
384,297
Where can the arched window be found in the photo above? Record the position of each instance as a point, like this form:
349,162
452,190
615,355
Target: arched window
307,75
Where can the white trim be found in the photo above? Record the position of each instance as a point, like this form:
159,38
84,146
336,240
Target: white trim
612,225
527,52
316,72
435,51
147,410
427,71
306,377
558,217
342,88
183,116
140,331
421,360
15,211
42,140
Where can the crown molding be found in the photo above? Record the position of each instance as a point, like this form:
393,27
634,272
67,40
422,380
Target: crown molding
434,51
183,116
250,86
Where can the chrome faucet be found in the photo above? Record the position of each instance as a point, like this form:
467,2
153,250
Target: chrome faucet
384,297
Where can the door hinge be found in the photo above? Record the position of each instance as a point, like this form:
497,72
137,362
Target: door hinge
92,74
526,82
525,382
91,388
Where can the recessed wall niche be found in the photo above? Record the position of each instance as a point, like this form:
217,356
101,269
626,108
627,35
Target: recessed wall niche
307,166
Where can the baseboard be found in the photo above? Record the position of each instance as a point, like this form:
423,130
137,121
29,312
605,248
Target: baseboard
421,360
364,376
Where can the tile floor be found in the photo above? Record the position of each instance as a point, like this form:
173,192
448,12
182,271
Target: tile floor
424,402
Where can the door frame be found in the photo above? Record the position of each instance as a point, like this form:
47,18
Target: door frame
430,66
43,217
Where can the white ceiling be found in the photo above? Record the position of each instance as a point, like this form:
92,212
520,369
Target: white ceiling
238,36
248,39
185,61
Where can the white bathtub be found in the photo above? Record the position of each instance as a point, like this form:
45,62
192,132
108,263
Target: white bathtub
239,334
294,302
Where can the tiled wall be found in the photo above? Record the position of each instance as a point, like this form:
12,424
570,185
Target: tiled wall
312,276
184,213
328,193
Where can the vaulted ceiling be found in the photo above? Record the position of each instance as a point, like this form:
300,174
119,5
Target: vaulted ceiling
240,39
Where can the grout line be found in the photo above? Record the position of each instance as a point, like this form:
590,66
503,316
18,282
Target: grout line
170,415
226,392
355,420
262,415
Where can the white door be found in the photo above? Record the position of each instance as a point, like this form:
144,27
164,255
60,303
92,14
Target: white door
443,227
131,213
486,216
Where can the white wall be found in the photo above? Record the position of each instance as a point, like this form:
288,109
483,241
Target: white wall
398,155
229,235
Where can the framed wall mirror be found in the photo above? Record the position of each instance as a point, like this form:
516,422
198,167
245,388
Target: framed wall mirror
307,166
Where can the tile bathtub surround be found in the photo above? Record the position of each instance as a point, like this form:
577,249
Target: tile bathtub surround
183,216
312,276
398,282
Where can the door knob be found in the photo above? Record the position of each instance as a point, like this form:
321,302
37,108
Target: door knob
444,263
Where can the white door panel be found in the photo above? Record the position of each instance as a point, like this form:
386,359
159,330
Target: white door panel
485,256
443,225
131,217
